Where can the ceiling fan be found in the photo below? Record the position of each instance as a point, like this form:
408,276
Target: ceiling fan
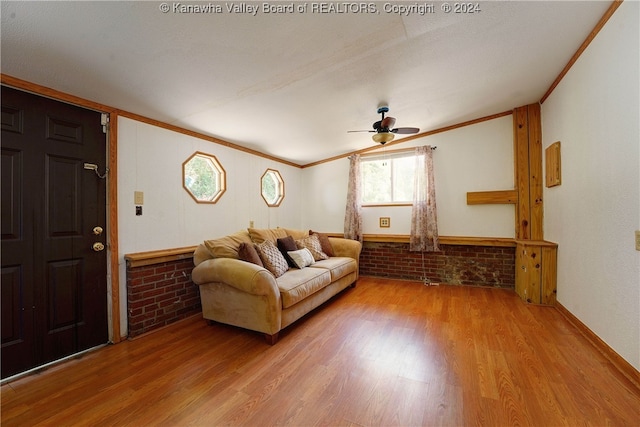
384,130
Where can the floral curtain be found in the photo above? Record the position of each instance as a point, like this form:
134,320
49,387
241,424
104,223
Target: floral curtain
353,212
424,218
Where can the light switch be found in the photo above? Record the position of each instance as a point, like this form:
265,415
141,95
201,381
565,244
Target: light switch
138,197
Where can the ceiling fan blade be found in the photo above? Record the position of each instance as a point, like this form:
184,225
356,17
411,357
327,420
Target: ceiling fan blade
405,130
387,122
350,131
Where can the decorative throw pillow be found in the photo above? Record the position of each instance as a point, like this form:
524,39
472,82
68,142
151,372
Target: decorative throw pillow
287,244
302,258
247,252
272,258
313,244
325,244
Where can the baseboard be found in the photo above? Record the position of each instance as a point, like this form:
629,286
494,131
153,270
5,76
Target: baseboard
631,373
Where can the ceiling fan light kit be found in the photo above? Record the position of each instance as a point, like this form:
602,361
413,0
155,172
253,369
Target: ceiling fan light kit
383,137
383,128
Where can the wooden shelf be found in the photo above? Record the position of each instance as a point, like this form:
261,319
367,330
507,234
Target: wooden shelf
444,240
492,197
142,259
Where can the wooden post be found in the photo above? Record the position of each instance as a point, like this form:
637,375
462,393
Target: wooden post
535,258
521,174
527,140
535,171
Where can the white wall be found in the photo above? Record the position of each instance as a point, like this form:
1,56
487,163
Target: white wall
594,112
473,158
150,160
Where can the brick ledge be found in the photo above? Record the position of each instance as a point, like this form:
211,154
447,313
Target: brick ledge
141,259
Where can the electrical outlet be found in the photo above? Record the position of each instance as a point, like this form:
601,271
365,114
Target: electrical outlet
637,240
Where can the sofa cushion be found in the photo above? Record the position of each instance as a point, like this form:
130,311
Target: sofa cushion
296,234
272,258
227,246
259,235
301,258
296,285
337,266
247,252
313,244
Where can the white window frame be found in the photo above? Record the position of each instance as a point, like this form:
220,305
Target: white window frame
388,156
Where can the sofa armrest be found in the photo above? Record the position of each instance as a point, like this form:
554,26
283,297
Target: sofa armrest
242,275
346,247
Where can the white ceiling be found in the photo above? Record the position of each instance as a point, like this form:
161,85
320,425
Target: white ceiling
292,84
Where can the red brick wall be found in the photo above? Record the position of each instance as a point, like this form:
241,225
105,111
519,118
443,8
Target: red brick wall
454,264
160,294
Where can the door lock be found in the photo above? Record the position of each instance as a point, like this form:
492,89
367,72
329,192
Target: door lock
97,246
97,230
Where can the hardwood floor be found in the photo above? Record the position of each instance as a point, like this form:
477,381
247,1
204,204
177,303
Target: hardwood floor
387,353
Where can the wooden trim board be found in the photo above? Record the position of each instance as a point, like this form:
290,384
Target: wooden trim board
631,373
492,197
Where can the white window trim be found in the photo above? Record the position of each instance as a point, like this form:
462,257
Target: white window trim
388,155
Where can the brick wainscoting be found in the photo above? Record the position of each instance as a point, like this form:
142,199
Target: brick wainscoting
160,294
454,264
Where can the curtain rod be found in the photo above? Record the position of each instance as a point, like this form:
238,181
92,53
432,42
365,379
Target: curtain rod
400,150
378,153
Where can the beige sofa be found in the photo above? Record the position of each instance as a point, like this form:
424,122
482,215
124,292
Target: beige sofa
236,291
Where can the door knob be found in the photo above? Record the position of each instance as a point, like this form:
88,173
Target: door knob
97,230
97,246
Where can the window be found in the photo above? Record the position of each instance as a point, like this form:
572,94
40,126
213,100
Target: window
204,178
388,178
272,187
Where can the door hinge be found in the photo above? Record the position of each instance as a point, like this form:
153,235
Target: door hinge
104,121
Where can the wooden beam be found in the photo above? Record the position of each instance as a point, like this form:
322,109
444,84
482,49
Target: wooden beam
112,213
492,197
536,177
527,147
521,172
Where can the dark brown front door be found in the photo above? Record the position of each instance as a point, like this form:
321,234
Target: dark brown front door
54,282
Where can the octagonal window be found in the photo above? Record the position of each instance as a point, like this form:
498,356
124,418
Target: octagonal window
272,187
203,177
